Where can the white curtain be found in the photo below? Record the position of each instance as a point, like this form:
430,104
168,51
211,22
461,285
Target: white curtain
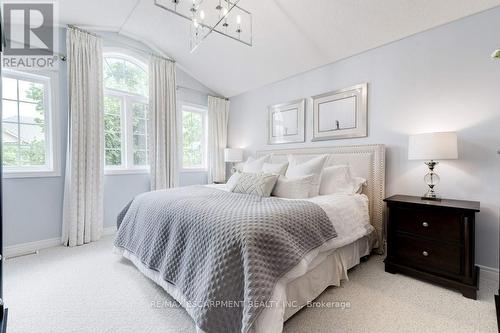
218,116
163,150
83,192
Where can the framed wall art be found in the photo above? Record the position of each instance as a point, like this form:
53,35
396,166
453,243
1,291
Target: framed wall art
286,122
341,114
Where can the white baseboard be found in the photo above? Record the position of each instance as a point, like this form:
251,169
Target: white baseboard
488,273
31,247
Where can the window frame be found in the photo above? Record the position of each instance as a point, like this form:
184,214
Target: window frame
202,109
52,126
126,124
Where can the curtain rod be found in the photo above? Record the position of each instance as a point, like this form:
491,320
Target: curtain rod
74,27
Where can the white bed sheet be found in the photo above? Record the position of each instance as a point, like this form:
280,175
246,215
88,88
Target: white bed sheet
320,268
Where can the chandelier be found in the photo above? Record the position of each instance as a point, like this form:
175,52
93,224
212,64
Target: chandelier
224,17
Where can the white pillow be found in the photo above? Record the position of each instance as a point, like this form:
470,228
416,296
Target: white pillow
261,184
277,169
338,179
311,167
293,188
358,184
254,165
232,181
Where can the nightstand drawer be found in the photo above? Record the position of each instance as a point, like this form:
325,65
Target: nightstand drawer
433,240
428,255
440,225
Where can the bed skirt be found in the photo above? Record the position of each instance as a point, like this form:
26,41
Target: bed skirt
291,293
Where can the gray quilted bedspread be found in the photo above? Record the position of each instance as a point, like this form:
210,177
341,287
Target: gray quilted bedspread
224,251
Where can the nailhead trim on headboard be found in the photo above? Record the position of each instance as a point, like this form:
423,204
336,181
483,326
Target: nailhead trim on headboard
376,185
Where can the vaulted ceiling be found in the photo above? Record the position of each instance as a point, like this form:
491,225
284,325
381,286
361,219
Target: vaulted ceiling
289,36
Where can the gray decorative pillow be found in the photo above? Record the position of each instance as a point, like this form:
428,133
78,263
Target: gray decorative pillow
260,184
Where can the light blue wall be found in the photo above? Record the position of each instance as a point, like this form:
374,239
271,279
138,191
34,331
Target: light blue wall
33,206
441,79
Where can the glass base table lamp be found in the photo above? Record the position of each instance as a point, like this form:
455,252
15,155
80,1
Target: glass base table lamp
432,147
233,155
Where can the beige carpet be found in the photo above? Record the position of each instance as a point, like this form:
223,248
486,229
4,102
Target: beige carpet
90,289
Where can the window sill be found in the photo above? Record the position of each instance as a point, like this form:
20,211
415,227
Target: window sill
30,174
115,172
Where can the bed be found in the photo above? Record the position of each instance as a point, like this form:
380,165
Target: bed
316,262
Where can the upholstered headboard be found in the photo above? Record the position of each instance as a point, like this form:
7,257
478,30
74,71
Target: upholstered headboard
367,161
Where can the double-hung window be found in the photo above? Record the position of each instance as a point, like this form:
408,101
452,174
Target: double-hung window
125,114
194,137
29,125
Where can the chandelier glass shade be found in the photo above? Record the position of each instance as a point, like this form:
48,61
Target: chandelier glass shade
223,17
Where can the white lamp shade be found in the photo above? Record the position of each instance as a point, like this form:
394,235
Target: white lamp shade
233,155
433,146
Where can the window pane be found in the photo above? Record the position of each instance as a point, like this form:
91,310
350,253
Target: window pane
126,115
112,124
140,133
140,110
31,113
112,105
24,124
124,75
140,157
10,151
192,131
32,145
139,126
112,130
31,92
10,138
140,142
9,111
112,140
113,157
136,79
9,88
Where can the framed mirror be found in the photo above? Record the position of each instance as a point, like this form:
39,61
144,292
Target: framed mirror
341,114
286,122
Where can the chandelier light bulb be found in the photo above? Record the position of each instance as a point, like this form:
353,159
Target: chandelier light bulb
224,11
238,19
195,23
202,15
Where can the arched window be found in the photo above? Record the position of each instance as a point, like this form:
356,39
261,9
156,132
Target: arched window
125,112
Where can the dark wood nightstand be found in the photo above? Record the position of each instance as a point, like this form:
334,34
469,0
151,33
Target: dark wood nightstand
434,241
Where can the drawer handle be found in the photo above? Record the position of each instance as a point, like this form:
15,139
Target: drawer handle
425,224
425,254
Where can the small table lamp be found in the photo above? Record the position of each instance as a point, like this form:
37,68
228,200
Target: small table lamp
233,155
431,147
